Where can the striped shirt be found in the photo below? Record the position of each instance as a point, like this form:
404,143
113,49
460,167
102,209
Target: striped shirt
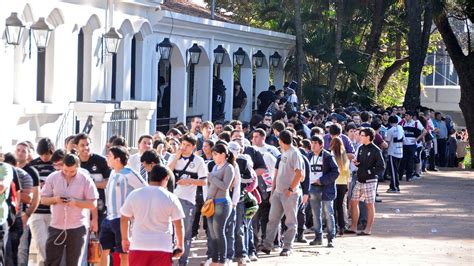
118,188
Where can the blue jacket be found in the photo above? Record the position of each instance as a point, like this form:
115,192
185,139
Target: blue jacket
330,174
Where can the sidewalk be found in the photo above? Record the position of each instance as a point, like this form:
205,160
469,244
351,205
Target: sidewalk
434,224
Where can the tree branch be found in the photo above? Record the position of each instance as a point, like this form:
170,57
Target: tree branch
389,71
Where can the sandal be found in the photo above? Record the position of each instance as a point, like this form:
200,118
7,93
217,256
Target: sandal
350,232
363,234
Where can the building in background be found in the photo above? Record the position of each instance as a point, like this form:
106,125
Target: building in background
74,84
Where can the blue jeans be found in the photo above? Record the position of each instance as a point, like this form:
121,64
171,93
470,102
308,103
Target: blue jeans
315,198
189,209
230,230
216,227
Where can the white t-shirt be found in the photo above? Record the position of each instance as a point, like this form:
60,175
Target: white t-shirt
268,148
316,164
197,169
269,154
153,209
395,137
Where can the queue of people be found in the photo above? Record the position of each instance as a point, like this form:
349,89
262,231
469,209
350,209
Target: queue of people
255,188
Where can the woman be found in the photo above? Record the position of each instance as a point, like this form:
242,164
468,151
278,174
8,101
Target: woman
219,183
240,100
342,181
207,150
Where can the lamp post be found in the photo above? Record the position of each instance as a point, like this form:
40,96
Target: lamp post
112,40
41,32
239,56
219,53
14,29
194,54
275,59
258,58
165,47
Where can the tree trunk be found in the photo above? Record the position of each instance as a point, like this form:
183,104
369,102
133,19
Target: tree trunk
464,65
337,51
418,40
299,49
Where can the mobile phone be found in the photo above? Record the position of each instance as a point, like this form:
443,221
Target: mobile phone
177,251
65,199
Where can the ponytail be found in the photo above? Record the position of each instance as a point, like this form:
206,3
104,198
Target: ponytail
231,158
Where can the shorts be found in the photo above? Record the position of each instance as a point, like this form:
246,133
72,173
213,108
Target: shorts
366,190
109,236
148,257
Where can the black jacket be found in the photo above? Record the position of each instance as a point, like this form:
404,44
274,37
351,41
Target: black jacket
371,163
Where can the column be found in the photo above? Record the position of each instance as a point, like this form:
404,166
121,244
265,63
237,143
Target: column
101,114
145,111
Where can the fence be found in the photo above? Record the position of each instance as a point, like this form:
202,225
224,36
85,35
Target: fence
123,122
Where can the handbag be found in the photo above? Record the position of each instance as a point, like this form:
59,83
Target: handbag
94,250
207,209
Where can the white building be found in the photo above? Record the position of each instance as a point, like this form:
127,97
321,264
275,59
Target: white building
45,91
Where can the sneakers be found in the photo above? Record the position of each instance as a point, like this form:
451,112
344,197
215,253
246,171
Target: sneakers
417,177
243,260
265,250
301,239
285,252
377,199
253,257
330,242
318,240
392,191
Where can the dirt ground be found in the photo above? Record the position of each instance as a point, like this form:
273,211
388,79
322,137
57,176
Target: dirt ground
430,222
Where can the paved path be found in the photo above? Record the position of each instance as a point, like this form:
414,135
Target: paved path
434,225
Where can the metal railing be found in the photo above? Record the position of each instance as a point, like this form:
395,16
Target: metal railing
123,122
66,128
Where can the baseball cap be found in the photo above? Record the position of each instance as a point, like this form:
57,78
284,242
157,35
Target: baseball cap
234,147
328,124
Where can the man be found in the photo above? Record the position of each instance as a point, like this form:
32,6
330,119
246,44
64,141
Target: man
196,126
218,99
285,194
151,158
258,141
206,133
123,180
152,232
69,192
190,172
6,178
22,153
99,172
441,130
324,172
265,98
267,119
334,131
23,196
145,143
414,133
370,166
394,139
41,218
218,129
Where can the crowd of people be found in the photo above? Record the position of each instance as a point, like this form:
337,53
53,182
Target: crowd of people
254,187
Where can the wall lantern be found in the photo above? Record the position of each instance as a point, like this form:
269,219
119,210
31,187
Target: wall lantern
165,47
112,40
258,58
275,59
41,31
219,53
239,56
14,29
194,54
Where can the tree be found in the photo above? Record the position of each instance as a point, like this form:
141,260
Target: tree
463,59
337,53
418,40
299,48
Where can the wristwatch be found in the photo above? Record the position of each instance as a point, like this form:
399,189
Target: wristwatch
290,189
